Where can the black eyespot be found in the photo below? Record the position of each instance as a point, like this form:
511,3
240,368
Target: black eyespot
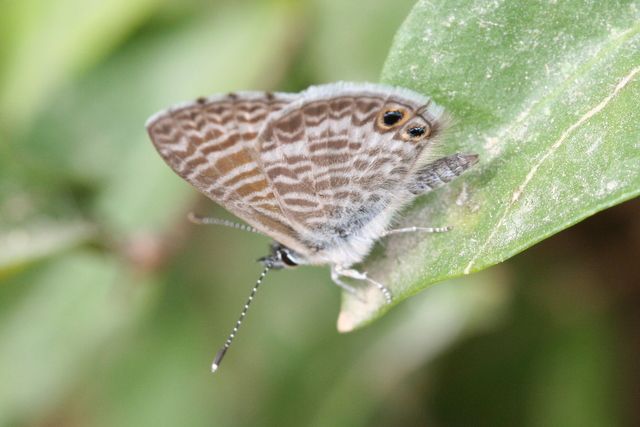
284,256
390,118
416,132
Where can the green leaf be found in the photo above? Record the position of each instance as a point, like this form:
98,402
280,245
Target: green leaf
547,95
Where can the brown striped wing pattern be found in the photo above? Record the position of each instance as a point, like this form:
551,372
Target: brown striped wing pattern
212,144
333,169
321,172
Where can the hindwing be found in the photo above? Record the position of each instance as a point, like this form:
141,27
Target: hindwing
332,162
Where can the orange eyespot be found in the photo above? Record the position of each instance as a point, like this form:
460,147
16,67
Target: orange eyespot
391,117
416,132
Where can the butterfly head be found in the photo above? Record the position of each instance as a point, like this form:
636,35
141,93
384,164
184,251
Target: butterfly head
282,257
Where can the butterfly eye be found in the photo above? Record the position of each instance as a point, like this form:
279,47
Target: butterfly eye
287,259
390,118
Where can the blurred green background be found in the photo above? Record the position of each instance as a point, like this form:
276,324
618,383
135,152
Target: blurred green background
112,305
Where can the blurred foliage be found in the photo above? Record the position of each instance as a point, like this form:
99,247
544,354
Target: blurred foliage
112,305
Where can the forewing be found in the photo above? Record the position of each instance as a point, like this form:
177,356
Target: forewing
212,143
330,165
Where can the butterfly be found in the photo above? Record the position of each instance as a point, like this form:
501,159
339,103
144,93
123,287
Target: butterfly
322,172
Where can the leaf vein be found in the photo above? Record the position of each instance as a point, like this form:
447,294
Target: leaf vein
556,145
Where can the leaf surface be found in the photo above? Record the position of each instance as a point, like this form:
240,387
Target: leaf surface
547,95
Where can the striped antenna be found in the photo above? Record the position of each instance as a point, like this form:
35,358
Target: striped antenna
201,220
234,331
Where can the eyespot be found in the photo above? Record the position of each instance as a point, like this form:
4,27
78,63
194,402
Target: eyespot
415,132
390,118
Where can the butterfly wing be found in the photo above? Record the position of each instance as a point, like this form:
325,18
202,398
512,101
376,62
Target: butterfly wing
333,163
211,143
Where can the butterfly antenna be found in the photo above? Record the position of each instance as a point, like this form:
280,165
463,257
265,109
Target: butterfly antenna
202,220
234,331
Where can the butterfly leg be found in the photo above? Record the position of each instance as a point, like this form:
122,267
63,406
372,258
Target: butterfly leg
357,275
338,281
414,229
435,175
442,171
